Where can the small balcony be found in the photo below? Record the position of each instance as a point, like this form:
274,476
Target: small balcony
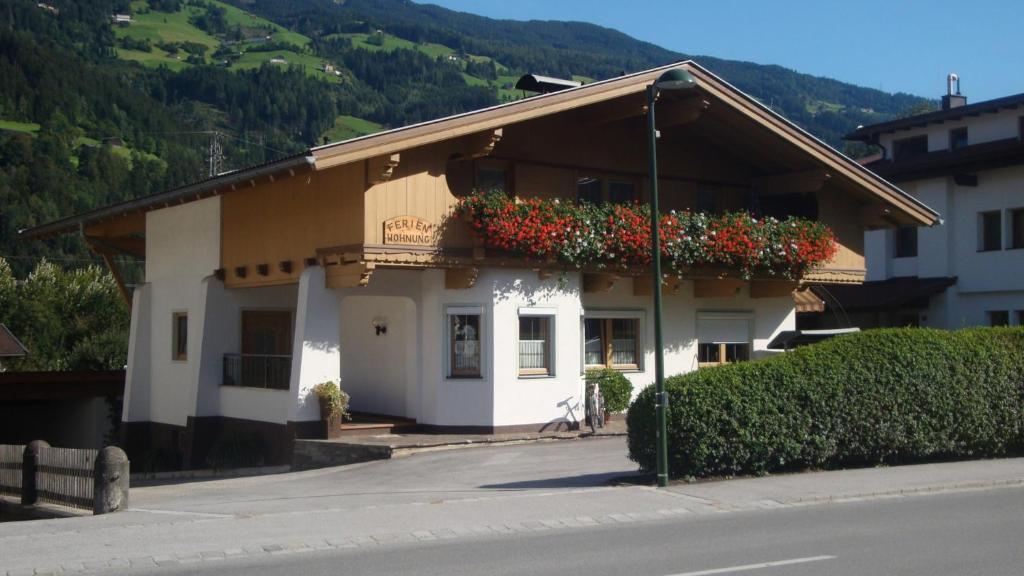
271,371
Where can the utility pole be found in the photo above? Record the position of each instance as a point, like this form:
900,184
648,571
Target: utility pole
216,154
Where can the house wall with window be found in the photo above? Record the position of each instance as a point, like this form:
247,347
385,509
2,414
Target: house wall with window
983,128
980,241
183,243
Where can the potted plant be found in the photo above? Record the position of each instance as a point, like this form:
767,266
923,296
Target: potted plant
616,389
333,407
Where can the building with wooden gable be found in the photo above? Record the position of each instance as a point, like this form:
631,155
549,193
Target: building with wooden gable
373,263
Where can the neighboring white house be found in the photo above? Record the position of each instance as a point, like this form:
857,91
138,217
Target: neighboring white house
967,162
344,263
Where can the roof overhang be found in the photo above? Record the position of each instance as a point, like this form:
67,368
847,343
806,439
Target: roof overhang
495,118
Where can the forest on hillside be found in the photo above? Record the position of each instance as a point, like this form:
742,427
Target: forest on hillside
93,113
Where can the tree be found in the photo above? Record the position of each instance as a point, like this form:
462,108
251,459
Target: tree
68,319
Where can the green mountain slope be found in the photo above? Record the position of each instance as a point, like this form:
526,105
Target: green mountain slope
92,112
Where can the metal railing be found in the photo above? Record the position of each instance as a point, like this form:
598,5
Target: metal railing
11,456
272,371
65,476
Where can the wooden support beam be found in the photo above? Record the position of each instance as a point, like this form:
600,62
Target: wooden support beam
460,278
108,259
598,282
482,143
717,288
348,275
805,181
381,168
772,288
644,285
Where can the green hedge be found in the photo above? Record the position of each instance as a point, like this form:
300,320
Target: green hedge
880,396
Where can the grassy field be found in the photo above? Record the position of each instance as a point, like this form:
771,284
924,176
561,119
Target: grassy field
348,127
13,126
309,62
236,16
393,43
166,27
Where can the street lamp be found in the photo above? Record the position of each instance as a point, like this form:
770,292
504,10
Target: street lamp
674,79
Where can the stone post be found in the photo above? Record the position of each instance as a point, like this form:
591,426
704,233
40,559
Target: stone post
110,481
29,464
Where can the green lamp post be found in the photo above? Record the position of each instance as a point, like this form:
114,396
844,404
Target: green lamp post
672,80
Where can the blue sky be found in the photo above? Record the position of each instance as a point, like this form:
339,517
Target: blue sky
896,45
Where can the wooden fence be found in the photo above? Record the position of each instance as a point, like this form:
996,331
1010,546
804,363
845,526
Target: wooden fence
10,469
65,476
96,480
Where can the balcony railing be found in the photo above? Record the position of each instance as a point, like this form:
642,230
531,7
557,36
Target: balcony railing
271,371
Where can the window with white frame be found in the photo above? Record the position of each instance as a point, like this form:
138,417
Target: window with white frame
536,330
465,350
612,340
723,337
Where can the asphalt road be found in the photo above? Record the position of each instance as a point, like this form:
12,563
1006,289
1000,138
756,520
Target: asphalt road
959,533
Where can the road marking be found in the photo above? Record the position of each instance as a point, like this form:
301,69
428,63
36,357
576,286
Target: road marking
756,566
182,513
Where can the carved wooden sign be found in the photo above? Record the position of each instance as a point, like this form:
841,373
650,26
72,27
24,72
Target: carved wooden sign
410,231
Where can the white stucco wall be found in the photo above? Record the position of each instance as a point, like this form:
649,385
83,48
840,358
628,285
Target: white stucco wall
315,352
220,335
379,370
182,248
769,316
983,128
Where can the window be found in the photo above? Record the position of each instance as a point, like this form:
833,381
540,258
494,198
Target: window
588,189
909,147
464,343
998,317
713,353
1016,218
611,343
489,179
535,345
180,351
1020,317
597,189
723,337
958,138
906,242
990,231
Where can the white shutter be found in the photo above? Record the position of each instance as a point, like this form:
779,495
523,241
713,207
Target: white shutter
723,327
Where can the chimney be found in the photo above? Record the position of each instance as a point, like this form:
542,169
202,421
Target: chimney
951,100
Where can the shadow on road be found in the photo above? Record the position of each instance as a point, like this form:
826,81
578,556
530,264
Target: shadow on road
580,481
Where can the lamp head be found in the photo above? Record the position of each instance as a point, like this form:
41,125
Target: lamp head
675,79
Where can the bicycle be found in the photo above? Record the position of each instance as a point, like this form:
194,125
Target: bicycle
595,407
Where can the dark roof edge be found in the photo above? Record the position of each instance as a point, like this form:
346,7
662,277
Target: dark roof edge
865,133
197,189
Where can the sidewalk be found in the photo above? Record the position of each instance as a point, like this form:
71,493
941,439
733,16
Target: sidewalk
435,496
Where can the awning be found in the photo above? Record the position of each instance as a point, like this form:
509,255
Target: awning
793,338
891,294
808,301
